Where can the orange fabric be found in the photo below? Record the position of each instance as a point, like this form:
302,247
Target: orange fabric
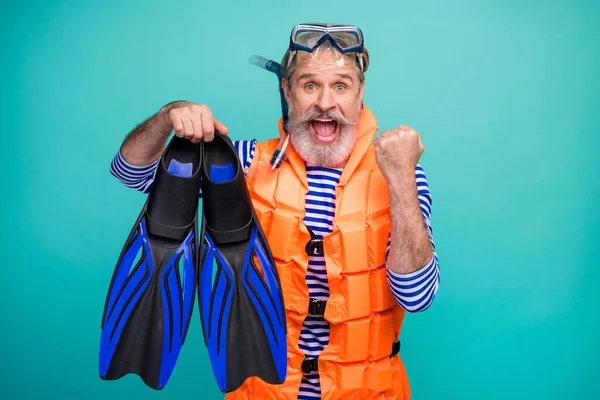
364,319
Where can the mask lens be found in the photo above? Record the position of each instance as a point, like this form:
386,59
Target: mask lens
346,40
307,38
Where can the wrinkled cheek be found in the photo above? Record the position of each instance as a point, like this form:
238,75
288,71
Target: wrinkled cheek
350,105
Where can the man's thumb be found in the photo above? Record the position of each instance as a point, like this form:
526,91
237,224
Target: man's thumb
220,127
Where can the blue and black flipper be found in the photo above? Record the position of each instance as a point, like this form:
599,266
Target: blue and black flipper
239,292
152,292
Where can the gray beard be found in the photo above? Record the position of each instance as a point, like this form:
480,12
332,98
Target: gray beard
328,155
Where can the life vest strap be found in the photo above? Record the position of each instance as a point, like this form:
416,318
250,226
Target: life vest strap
311,364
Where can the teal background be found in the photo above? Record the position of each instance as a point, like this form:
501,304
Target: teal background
506,96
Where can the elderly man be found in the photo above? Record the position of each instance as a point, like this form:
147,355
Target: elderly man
365,200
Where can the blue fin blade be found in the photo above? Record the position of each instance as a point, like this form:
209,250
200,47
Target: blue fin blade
127,288
267,302
215,301
177,292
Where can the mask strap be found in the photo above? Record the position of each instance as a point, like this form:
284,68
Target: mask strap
292,55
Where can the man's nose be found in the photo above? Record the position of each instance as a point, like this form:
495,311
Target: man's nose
326,100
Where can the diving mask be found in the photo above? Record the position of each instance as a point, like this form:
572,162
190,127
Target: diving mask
344,38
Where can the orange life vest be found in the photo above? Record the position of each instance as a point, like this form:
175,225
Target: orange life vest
359,362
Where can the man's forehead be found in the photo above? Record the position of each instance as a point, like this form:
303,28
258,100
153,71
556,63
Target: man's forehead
326,62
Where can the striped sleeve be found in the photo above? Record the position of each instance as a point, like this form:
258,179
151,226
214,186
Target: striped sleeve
415,292
141,177
245,150
133,176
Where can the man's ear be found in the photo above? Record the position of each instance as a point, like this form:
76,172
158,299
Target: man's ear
286,89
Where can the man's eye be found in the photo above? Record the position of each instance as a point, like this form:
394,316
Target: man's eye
309,86
340,87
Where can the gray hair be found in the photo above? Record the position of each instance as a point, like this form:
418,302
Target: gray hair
288,63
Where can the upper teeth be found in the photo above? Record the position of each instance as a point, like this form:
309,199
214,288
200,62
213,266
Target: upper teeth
324,120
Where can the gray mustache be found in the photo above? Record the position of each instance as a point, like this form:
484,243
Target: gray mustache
337,117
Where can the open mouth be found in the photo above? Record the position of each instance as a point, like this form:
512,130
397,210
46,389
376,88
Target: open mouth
325,130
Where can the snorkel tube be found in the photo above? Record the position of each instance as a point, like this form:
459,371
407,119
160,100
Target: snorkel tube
279,155
275,68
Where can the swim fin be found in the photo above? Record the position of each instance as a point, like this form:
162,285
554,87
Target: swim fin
152,291
239,292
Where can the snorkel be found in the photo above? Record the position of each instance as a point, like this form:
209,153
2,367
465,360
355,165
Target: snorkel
279,155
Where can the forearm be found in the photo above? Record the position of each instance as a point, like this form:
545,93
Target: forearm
410,248
146,142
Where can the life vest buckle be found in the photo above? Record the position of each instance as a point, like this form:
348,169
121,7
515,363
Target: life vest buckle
314,247
316,307
395,349
310,365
